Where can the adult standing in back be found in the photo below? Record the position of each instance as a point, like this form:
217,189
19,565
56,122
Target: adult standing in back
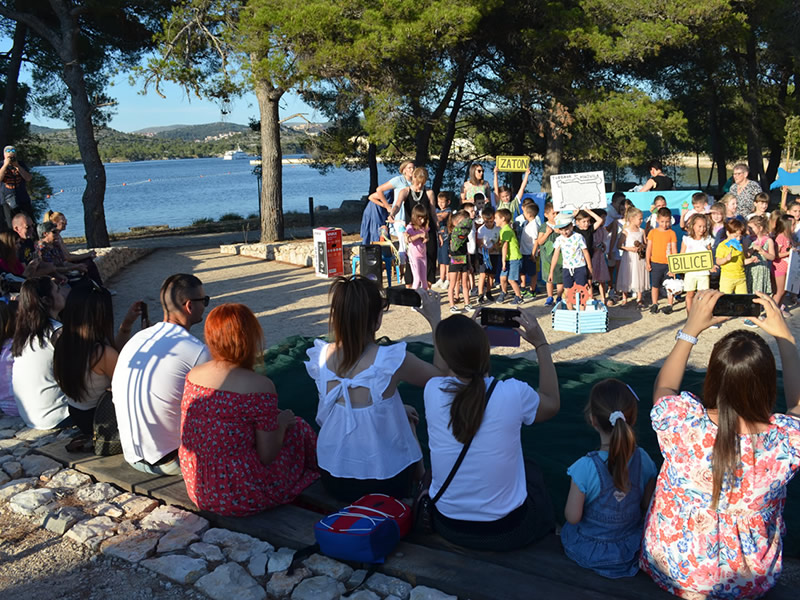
377,209
745,190
149,378
658,182
13,191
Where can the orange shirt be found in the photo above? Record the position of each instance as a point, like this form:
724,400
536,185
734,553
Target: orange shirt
660,240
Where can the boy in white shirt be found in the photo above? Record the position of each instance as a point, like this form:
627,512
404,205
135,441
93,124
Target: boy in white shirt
488,245
527,243
699,205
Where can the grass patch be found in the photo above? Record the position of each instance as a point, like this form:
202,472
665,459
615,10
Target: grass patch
203,221
230,217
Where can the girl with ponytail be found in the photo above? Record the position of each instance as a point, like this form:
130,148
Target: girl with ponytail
611,488
491,497
715,526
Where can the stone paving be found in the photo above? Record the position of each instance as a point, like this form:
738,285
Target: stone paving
180,547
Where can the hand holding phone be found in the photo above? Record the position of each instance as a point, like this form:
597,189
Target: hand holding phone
737,305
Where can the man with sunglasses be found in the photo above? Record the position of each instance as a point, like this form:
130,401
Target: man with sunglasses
13,190
148,380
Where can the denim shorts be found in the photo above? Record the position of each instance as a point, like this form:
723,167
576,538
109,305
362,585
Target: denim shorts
512,269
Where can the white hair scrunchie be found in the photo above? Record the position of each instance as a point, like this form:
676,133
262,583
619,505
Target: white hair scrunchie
616,416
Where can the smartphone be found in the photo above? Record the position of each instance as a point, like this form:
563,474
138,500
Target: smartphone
737,305
145,318
502,336
499,317
400,296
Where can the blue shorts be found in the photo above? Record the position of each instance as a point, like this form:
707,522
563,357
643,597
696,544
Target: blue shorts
579,276
528,267
443,255
512,269
658,273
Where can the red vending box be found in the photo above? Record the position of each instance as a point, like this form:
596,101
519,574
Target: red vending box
328,253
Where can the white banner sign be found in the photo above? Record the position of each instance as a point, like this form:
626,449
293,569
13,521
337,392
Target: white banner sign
574,191
793,273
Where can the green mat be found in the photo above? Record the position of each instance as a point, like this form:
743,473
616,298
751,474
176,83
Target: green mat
554,445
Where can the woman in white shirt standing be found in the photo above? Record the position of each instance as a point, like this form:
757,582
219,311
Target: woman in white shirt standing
41,403
496,499
367,441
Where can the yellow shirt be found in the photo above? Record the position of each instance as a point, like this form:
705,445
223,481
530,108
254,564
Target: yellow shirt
734,270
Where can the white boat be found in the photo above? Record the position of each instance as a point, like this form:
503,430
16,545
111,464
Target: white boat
237,154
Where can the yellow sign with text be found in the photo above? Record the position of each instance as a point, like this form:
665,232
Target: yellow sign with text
692,261
513,163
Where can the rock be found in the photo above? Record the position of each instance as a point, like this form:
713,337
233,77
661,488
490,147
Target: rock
6,434
258,565
322,565
15,487
131,547
425,593
91,532
178,568
4,478
44,441
96,493
238,547
280,560
127,526
210,552
13,469
36,464
48,474
355,579
318,588
65,434
5,458
31,435
61,518
364,595
107,509
165,518
134,504
10,445
69,479
15,423
384,585
20,451
176,539
230,581
281,584
31,502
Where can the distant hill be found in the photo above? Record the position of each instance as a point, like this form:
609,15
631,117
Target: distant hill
190,133
41,130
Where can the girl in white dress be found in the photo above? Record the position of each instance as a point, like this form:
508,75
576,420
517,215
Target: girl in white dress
632,277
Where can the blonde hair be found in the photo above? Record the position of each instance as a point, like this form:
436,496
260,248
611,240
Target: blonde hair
52,216
631,214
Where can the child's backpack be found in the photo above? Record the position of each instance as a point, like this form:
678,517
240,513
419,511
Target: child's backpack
459,236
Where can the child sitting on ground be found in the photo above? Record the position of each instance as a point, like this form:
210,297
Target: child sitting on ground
527,242
489,248
632,277
577,264
443,213
661,242
460,225
544,246
730,259
699,205
417,240
610,489
510,257
696,240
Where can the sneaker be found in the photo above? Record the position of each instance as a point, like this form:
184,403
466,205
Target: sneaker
549,301
501,297
455,310
654,309
483,299
528,294
749,323
667,310
517,300
469,307
473,292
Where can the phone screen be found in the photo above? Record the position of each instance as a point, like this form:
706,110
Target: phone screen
400,296
737,305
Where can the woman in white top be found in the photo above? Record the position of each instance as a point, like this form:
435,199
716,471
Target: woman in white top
367,442
496,500
86,350
41,403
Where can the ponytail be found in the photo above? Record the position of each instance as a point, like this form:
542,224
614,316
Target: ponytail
612,409
620,450
467,408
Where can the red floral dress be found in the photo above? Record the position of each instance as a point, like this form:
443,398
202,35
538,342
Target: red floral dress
218,455
732,552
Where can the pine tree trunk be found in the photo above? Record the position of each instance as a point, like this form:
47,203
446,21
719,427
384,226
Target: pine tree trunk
554,154
271,162
372,163
449,135
12,77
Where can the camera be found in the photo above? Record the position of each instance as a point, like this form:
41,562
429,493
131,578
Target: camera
400,296
737,305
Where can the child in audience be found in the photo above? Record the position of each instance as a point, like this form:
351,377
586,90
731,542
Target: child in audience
510,257
545,247
472,248
696,240
480,201
730,259
632,277
659,202
460,225
489,248
760,205
781,233
610,489
527,241
443,213
793,210
717,215
661,242
586,223
503,194
699,205
600,244
577,264
759,256
416,241
521,220
8,324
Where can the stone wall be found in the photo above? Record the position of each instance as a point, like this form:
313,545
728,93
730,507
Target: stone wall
110,261
293,253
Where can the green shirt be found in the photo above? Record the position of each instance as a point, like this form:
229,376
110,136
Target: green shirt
507,235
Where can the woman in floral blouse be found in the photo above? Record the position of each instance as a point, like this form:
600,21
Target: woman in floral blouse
715,525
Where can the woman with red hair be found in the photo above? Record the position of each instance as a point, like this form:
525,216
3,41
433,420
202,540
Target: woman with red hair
239,453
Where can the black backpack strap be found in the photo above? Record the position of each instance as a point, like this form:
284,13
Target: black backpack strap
461,456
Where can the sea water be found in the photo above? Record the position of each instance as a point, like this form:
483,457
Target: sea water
178,192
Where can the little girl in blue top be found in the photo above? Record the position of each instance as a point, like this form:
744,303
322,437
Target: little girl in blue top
611,488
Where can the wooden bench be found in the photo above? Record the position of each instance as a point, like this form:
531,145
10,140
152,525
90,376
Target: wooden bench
540,570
